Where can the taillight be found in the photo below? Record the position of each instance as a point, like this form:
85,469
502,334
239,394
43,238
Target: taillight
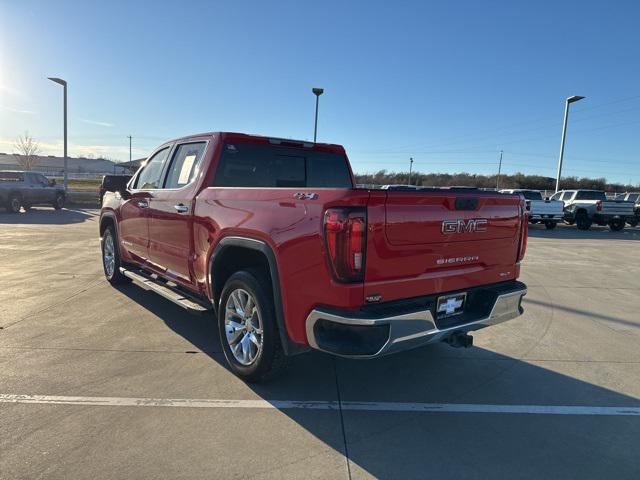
599,205
524,232
345,231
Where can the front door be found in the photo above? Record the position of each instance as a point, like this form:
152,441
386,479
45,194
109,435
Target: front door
134,222
171,215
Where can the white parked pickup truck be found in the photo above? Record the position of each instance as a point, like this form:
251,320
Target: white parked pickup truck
585,207
549,212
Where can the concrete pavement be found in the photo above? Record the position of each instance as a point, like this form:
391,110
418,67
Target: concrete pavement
66,332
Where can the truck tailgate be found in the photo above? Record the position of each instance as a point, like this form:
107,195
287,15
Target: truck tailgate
420,243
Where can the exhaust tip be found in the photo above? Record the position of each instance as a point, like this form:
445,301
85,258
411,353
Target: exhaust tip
459,340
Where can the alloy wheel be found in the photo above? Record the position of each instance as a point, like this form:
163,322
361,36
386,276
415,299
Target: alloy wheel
243,326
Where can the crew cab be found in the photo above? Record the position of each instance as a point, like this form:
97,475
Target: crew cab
586,207
26,189
272,237
549,212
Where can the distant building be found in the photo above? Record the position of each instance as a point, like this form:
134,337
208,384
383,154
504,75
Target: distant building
54,166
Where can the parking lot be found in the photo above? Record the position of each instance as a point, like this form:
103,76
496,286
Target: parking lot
98,382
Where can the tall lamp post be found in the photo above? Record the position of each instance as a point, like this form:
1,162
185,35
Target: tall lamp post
410,168
499,170
568,102
317,92
59,81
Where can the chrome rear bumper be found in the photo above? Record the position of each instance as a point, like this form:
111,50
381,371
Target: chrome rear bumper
359,335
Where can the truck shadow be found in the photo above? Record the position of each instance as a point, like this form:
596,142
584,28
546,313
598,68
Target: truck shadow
48,216
570,232
405,444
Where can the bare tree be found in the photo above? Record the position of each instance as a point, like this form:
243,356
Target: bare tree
28,150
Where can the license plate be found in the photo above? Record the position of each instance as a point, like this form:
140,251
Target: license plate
451,304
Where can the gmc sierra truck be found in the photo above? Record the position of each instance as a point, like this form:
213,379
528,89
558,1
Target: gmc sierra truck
272,237
586,207
549,212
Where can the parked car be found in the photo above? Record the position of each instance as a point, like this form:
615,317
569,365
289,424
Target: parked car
113,183
585,207
549,212
26,189
635,198
272,236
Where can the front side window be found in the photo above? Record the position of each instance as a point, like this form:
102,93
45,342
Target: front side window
567,196
246,165
556,196
149,177
185,164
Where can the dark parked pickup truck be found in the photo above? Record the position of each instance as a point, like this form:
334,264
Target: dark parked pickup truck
25,189
273,237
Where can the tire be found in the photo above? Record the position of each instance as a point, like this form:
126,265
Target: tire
583,221
252,356
550,225
616,225
14,203
111,257
58,203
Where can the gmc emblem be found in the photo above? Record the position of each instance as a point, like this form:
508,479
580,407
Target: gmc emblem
464,226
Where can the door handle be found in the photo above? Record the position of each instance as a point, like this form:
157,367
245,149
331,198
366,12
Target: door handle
143,204
180,208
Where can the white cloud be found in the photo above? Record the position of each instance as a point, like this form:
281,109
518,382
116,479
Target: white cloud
95,122
17,110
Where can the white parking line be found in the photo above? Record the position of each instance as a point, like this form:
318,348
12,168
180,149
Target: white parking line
322,405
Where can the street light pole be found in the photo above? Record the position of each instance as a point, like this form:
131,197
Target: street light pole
499,169
317,92
129,148
59,81
410,168
568,102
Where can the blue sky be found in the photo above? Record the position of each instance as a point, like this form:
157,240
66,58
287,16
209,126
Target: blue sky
448,83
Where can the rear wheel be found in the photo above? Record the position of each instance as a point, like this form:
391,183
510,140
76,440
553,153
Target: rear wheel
58,203
583,221
111,257
550,225
248,330
13,203
616,225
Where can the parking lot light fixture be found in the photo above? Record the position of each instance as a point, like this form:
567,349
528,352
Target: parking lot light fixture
568,102
62,82
317,92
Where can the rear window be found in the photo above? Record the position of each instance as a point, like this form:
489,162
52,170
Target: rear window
246,165
531,195
590,195
11,177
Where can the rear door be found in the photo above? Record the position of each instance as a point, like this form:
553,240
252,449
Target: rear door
171,211
438,241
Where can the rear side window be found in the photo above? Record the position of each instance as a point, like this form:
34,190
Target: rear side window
11,177
185,164
152,171
246,165
633,197
589,195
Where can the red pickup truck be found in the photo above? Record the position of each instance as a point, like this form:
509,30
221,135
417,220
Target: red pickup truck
272,237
